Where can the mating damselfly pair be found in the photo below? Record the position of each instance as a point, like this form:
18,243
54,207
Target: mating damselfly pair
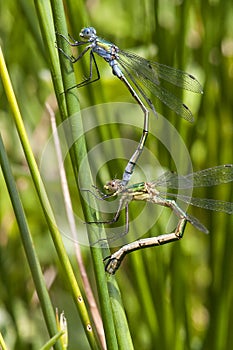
150,192
140,76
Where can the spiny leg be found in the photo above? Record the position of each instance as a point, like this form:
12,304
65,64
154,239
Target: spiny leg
74,42
89,79
73,60
114,219
115,260
126,230
114,238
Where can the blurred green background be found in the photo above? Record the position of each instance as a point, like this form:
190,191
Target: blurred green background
178,296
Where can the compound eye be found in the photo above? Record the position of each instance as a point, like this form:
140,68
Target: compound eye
111,186
92,30
88,32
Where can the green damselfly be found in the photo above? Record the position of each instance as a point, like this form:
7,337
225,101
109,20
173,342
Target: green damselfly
149,192
141,74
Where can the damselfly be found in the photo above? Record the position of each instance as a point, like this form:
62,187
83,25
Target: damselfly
140,73
148,191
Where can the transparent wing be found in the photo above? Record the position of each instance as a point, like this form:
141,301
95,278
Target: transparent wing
195,222
155,71
204,178
150,75
206,203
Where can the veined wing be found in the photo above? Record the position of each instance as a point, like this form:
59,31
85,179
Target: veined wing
151,73
204,178
205,203
195,222
156,71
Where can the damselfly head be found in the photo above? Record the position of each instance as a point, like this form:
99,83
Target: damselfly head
88,33
113,185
